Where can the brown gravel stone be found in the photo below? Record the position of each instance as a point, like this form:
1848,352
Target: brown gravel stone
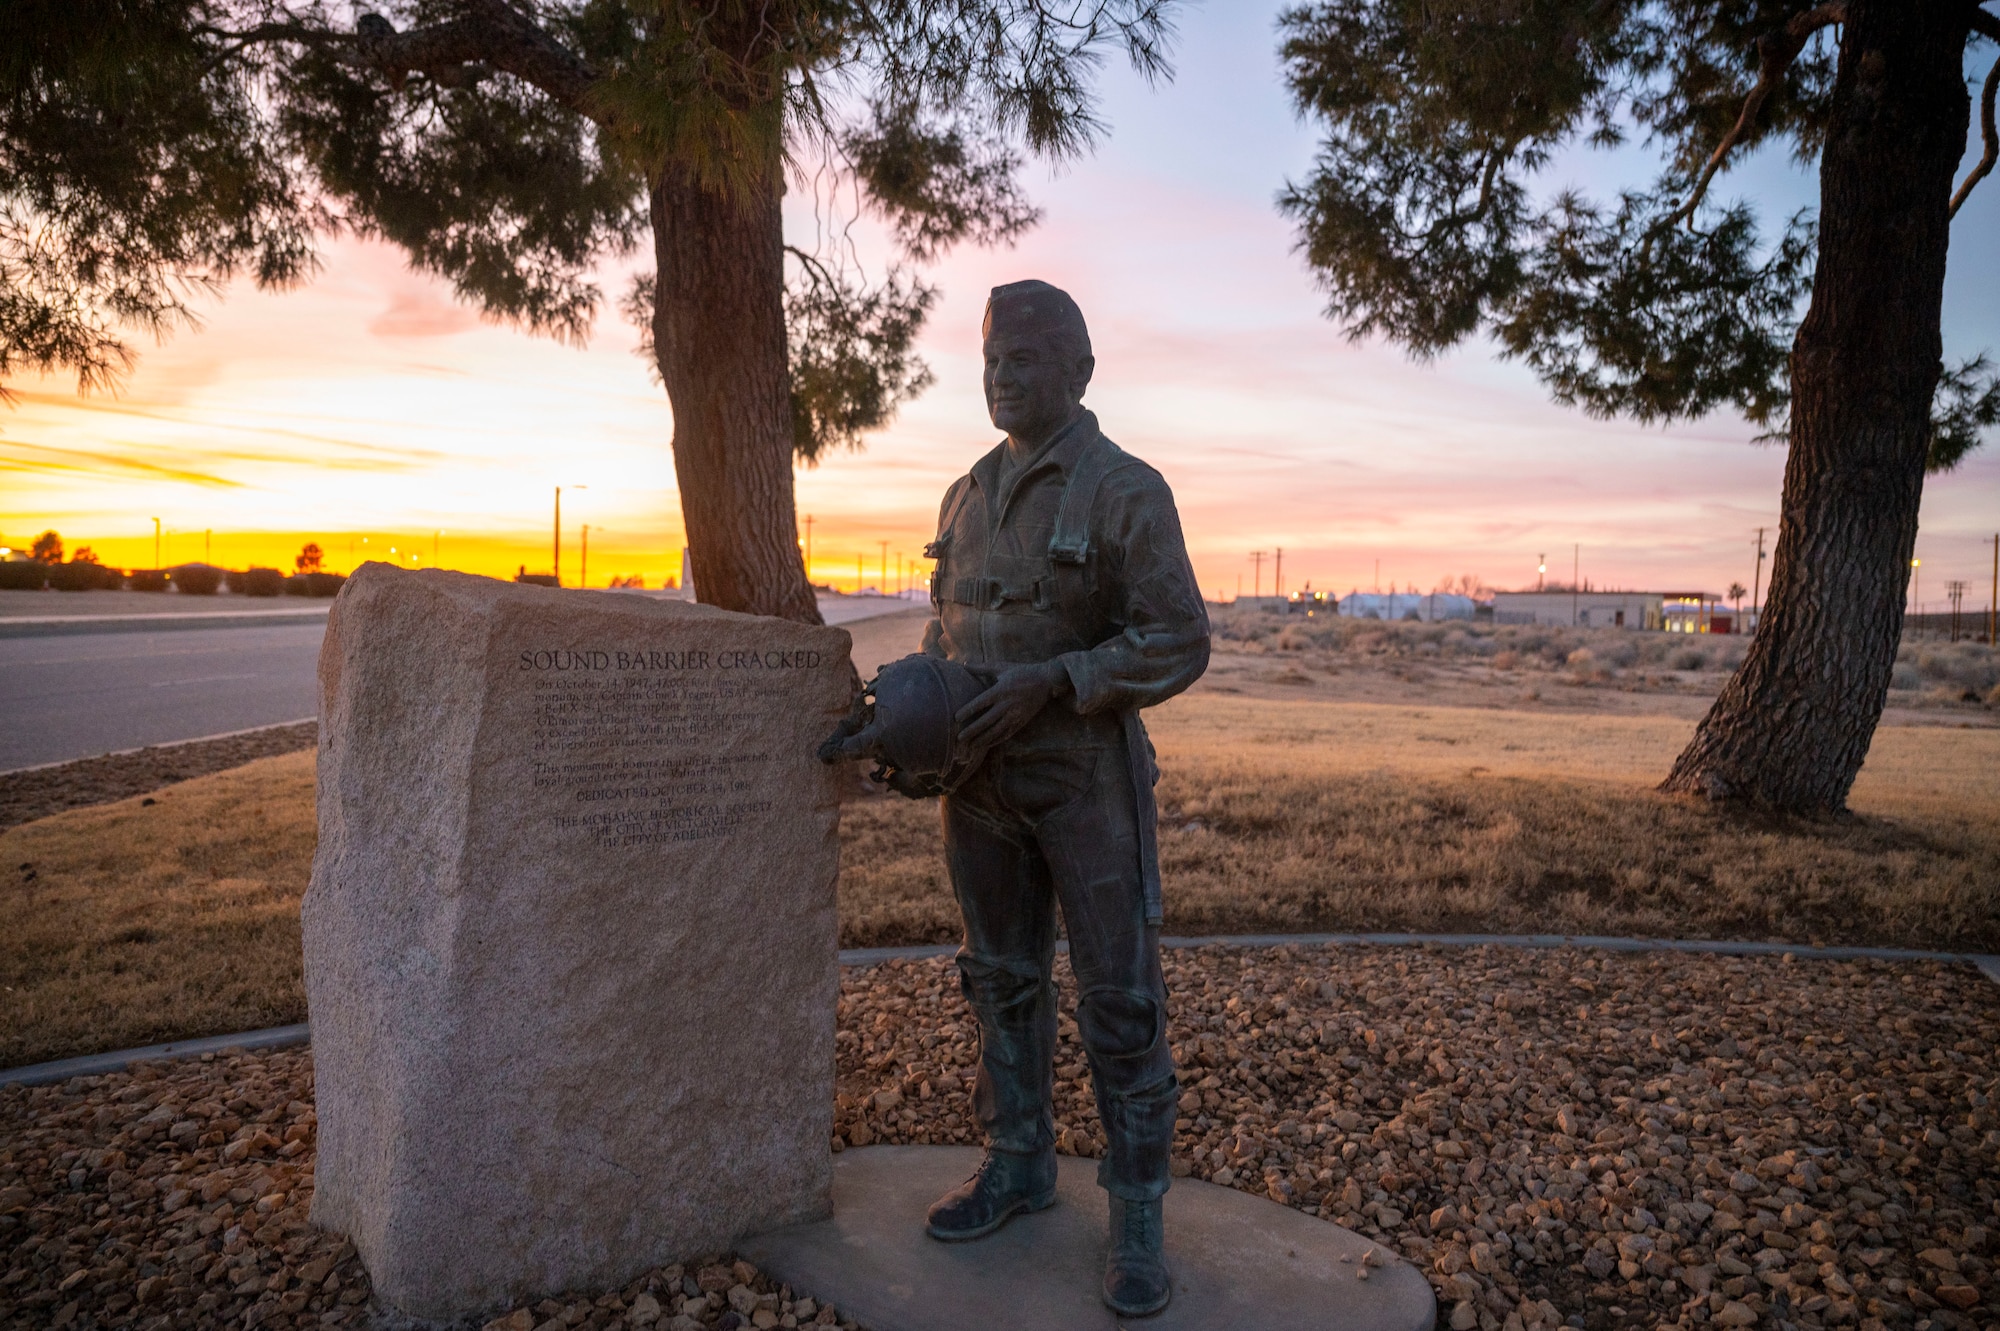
1761,1144
1598,1139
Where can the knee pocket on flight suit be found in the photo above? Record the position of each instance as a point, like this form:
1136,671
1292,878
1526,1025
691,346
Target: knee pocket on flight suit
1116,1024
994,986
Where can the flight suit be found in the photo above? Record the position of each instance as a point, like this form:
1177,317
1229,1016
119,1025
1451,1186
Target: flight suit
1078,558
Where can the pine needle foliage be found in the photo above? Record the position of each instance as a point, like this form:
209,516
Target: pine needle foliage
1422,223
152,150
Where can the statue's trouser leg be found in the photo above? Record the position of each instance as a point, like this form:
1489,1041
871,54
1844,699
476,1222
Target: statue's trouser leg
1062,825
1002,885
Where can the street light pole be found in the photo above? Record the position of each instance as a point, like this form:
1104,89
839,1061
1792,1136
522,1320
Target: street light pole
156,542
1917,591
555,565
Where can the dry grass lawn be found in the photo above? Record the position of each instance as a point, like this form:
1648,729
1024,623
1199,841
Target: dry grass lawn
1331,816
137,922
169,915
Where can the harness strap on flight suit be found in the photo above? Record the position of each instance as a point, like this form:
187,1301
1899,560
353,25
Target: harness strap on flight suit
1071,543
1070,547
940,547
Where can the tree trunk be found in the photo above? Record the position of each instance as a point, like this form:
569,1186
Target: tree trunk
719,337
1793,726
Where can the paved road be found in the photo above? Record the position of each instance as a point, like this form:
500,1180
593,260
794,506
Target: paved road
74,695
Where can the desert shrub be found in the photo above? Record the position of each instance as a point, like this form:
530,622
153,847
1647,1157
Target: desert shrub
1964,667
147,580
23,575
82,577
1688,658
257,582
1506,660
317,584
1906,677
198,579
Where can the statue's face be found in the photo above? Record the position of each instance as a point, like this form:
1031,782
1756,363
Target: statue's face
1032,387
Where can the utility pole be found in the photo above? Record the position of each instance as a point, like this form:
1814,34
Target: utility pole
860,572
1278,578
1541,570
156,542
1575,571
1378,577
1993,606
1257,557
1757,579
1955,592
884,588
809,547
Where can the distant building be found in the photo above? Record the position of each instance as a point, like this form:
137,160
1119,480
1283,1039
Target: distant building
1625,610
1697,612
1427,607
1276,605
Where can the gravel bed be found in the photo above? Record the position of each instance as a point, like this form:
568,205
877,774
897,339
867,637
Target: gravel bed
1555,1137
41,791
177,1195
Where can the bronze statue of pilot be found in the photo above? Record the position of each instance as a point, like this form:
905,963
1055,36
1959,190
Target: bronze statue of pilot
1063,589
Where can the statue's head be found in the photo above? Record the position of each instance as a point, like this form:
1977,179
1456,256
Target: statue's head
1038,359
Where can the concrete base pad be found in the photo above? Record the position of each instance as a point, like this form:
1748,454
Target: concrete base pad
1237,1261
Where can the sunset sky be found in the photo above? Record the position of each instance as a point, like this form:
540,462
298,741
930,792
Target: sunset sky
370,406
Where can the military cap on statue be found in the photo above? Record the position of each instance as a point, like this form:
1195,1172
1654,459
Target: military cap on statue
1036,307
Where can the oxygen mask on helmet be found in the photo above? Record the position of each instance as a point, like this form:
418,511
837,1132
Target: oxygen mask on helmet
905,719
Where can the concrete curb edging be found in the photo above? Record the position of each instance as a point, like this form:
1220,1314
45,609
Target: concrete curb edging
285,1037
166,621
96,1065
163,744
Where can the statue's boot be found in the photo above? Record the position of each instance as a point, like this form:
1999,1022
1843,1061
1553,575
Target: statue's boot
1006,1184
1135,1275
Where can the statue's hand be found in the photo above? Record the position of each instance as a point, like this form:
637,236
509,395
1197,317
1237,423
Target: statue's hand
854,737
1015,699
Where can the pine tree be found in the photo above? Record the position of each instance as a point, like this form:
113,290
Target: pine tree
1421,222
150,149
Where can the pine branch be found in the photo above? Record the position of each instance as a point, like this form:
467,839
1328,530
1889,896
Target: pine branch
490,34
1987,136
1776,51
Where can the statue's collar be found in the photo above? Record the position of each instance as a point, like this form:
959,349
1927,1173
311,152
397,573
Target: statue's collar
1061,452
